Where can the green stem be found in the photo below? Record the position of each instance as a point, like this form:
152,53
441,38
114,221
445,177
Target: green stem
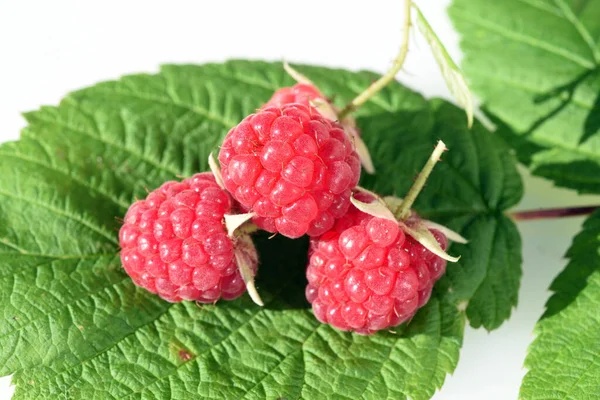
389,75
403,210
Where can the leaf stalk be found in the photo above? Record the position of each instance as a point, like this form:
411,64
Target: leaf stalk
552,213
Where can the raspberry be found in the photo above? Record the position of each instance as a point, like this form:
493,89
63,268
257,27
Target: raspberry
292,167
174,243
302,93
366,274
307,94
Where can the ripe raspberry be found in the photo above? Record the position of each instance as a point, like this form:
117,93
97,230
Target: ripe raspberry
302,93
366,274
174,243
307,94
292,167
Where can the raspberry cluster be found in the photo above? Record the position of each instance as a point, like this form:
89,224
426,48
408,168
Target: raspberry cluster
366,274
174,242
292,169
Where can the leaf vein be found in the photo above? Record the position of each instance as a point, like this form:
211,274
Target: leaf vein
117,146
63,213
157,99
110,197
521,38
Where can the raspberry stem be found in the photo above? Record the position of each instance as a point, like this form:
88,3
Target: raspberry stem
389,75
402,212
553,213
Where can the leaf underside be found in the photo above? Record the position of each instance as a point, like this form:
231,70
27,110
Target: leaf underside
74,325
535,65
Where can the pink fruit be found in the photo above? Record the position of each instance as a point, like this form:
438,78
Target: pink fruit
174,242
292,167
366,274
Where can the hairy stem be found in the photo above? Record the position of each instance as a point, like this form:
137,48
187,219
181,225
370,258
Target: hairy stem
389,75
552,213
403,210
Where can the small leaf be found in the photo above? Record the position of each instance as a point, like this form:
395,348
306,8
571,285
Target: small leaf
325,108
245,257
452,74
234,221
422,235
349,125
393,202
216,170
376,209
449,233
377,197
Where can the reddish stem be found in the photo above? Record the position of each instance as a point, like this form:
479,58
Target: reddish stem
552,213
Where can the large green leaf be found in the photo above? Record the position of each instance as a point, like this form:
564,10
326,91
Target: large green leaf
535,64
563,360
75,326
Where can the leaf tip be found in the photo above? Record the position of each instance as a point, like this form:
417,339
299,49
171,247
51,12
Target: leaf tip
376,208
246,259
423,235
234,221
253,293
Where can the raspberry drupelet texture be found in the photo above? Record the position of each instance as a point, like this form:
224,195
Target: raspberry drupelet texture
366,274
302,93
292,167
175,244
309,95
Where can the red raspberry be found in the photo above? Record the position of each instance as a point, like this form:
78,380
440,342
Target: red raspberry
174,243
302,93
366,274
307,94
291,166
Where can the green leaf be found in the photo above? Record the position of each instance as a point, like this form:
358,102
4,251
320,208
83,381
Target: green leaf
535,65
75,326
452,75
563,359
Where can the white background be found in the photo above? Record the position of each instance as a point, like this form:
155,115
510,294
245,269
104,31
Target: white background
48,48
